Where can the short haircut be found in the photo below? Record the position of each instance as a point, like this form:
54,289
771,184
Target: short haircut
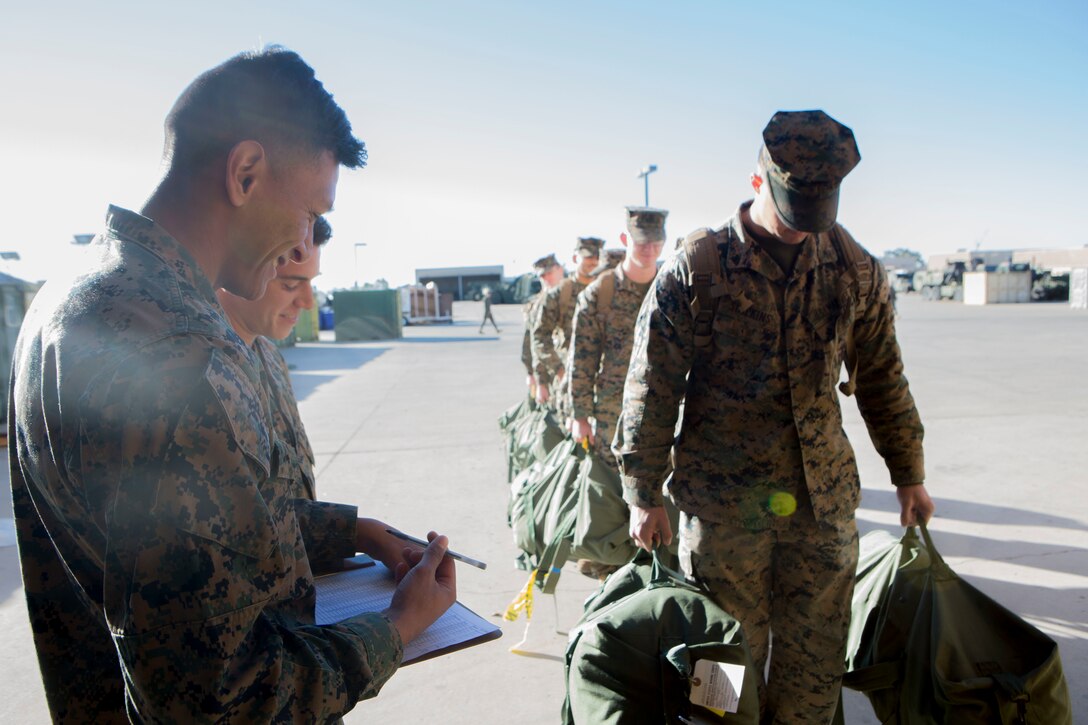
322,231
271,97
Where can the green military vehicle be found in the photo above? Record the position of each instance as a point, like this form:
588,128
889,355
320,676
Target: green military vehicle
941,284
512,290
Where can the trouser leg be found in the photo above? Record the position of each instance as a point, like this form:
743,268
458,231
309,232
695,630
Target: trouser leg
815,566
735,565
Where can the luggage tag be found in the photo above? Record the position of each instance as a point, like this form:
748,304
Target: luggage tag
716,686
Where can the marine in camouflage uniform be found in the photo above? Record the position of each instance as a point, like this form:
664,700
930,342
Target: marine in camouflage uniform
551,330
143,472
167,558
256,321
551,273
287,422
763,474
602,334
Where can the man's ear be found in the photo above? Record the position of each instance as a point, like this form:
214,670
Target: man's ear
247,166
756,181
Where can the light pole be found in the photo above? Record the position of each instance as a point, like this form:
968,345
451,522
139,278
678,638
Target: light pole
645,176
357,245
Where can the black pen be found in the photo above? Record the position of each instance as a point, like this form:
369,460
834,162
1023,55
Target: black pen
449,552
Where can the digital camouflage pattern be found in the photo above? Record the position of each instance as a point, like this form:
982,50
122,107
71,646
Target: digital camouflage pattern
800,577
805,157
164,550
600,353
528,313
762,472
551,329
761,414
288,423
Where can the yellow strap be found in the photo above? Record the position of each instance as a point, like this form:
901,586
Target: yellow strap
523,600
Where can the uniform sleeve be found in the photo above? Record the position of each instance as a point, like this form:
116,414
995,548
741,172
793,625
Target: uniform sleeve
585,352
526,340
204,542
656,380
545,358
883,394
328,532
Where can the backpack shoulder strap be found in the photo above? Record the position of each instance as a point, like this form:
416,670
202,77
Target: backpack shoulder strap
705,277
858,263
859,266
566,292
605,294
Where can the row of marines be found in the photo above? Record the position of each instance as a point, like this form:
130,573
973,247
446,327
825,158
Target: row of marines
715,381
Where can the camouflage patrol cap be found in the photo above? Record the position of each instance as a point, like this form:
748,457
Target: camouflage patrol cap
543,264
805,156
645,224
589,246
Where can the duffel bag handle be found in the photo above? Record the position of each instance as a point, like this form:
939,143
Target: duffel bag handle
662,574
936,561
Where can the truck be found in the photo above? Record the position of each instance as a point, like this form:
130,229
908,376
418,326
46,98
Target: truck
511,290
941,284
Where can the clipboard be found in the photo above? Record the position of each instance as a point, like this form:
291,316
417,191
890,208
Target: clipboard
356,591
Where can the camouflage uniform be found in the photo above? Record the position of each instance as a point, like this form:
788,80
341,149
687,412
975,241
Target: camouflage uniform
600,353
762,429
528,312
551,336
167,561
288,423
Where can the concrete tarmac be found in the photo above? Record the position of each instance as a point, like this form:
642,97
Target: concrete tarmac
407,430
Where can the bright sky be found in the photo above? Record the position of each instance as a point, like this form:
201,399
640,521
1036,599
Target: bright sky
500,131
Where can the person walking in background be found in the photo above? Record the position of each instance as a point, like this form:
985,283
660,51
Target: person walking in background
487,312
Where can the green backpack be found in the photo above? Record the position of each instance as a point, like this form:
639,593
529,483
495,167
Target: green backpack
927,647
634,656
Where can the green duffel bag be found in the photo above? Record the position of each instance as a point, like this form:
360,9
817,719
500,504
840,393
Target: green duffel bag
638,654
602,520
535,504
534,435
509,423
937,650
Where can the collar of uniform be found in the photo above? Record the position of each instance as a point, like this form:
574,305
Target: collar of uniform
125,225
622,280
742,255
817,250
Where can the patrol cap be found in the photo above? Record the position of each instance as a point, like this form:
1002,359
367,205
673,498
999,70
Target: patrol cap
646,224
543,264
589,246
805,156
609,258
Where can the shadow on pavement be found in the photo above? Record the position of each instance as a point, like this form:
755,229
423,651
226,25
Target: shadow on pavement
315,365
478,338
978,512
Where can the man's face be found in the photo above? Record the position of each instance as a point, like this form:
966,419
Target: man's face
587,264
644,255
769,218
552,277
274,315
275,225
